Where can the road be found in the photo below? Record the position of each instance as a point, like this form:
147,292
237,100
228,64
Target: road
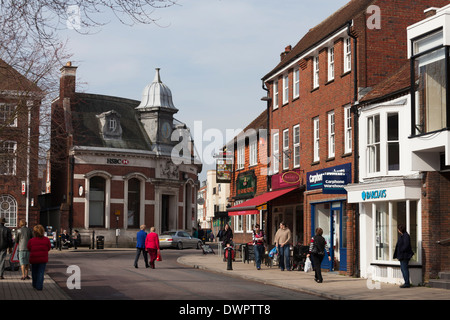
110,274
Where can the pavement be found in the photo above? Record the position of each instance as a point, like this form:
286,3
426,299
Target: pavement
334,286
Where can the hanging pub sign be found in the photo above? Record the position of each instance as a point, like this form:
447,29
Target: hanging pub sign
224,167
331,180
246,184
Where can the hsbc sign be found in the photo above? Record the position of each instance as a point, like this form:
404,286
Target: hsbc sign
117,161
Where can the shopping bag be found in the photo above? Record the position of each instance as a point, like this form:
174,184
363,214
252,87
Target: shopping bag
308,265
158,257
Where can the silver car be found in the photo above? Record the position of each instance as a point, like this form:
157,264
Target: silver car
178,239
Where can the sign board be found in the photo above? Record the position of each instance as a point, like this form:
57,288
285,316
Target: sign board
246,185
331,180
286,179
224,168
15,254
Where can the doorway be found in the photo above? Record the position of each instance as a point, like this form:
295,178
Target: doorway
168,213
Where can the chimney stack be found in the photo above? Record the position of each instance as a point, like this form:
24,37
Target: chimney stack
286,51
67,81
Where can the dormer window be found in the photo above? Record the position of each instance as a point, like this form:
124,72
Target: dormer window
110,125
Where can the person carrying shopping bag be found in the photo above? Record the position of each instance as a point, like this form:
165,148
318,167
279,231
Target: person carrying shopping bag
317,250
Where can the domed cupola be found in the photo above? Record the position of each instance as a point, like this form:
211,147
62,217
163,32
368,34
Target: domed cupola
157,95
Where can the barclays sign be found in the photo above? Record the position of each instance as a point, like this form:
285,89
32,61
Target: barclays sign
373,195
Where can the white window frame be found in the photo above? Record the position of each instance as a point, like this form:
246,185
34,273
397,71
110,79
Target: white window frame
8,157
330,63
347,54
296,87
238,223
348,130
286,149
316,72
331,134
296,144
240,157
276,152
285,89
275,95
373,147
253,152
8,116
316,139
250,221
8,210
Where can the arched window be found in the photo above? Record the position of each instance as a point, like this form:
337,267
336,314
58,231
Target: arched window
97,202
134,202
8,210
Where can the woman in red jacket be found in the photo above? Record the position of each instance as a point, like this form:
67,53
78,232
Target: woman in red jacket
39,246
152,246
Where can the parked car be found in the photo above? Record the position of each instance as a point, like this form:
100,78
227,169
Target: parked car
178,239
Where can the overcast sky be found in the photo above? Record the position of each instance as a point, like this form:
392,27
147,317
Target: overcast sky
212,55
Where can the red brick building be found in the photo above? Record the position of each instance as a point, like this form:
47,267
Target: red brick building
314,91
113,167
20,102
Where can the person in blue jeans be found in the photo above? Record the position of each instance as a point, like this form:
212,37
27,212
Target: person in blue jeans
258,244
283,239
140,247
403,252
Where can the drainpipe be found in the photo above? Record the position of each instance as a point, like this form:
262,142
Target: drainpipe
268,177
354,109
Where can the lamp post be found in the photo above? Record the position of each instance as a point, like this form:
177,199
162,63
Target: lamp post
117,214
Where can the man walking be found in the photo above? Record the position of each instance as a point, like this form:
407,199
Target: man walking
140,247
23,235
6,244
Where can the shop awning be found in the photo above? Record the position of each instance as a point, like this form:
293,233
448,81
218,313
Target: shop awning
250,206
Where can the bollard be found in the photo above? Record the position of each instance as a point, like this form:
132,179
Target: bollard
229,258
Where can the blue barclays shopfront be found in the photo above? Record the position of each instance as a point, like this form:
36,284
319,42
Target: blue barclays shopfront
326,201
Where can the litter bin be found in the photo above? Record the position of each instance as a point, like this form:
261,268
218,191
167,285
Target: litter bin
100,242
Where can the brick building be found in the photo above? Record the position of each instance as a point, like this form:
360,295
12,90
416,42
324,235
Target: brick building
20,101
112,166
314,91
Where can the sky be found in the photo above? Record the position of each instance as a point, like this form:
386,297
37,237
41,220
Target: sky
212,55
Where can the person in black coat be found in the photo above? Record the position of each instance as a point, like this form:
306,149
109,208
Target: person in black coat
403,252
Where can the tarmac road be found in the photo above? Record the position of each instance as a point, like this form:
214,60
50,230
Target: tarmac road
110,274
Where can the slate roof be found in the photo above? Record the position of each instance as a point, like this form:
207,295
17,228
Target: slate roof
86,125
323,30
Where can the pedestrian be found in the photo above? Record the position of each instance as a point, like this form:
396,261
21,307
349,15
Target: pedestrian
282,241
152,246
227,236
39,246
24,234
76,239
6,245
65,239
317,249
403,252
140,246
258,245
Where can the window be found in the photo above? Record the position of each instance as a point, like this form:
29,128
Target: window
253,152
296,92
8,115
251,220
373,143
316,141
347,54
286,89
393,142
276,152
348,129
286,149
97,202
275,95
238,221
8,210
388,215
430,103
316,72
331,134
330,63
8,156
240,157
134,200
296,142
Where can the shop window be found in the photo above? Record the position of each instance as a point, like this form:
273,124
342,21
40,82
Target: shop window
430,68
8,210
134,195
97,202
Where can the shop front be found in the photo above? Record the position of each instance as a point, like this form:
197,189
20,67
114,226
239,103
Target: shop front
383,205
326,204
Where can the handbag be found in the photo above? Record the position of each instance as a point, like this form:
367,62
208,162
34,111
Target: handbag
158,257
308,265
